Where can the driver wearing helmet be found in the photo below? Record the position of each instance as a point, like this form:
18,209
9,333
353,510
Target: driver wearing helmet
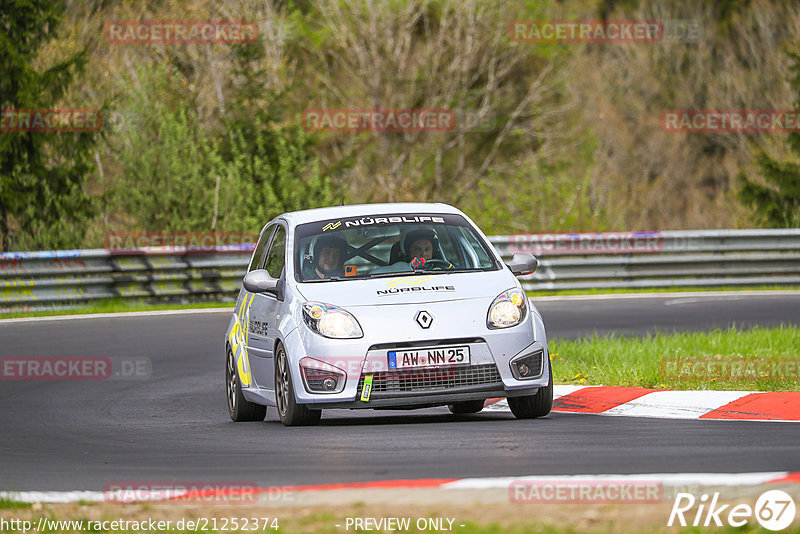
329,255
419,244
422,246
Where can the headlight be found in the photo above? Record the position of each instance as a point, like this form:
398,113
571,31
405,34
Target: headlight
507,310
331,321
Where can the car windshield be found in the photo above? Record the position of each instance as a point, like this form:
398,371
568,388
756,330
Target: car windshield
384,245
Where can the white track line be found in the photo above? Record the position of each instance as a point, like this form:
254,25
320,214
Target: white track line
609,296
52,496
667,479
659,404
676,404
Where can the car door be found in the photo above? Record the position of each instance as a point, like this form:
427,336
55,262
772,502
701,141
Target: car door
263,314
253,341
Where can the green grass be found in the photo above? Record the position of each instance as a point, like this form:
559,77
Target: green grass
637,361
10,504
118,306
676,289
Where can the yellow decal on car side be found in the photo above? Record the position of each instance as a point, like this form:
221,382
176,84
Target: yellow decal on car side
239,354
243,361
239,338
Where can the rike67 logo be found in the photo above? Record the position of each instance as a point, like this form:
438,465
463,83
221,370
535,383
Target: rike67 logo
774,510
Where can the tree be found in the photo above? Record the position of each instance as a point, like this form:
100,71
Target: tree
267,167
777,200
505,97
43,203
180,173
165,156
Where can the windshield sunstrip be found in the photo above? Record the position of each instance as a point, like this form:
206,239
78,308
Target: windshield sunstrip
376,246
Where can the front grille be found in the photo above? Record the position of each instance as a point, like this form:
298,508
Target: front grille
427,343
440,378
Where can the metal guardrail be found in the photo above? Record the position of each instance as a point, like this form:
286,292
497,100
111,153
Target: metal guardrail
46,280
696,258
56,279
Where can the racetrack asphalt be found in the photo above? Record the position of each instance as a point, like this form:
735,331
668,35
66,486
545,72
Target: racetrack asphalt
174,426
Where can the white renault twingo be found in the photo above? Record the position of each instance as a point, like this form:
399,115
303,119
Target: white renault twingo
383,306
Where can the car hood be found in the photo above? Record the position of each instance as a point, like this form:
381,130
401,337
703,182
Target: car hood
409,289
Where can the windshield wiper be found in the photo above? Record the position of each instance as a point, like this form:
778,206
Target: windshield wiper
393,275
439,271
331,279
424,271
396,273
447,271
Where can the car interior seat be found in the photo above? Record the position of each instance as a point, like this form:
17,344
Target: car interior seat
396,253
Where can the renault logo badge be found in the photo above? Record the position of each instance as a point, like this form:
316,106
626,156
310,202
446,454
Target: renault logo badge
424,319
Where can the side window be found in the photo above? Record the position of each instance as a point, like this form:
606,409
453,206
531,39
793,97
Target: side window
261,248
277,253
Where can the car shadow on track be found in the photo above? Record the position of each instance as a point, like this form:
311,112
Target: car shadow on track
395,417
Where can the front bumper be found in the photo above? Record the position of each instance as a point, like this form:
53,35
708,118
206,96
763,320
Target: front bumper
489,374
429,399
393,327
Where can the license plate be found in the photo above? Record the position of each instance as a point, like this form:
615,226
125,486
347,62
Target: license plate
432,357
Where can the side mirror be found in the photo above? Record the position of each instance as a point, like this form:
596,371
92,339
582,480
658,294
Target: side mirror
523,263
259,281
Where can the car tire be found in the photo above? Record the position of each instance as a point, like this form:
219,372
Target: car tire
533,406
239,408
290,412
466,407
